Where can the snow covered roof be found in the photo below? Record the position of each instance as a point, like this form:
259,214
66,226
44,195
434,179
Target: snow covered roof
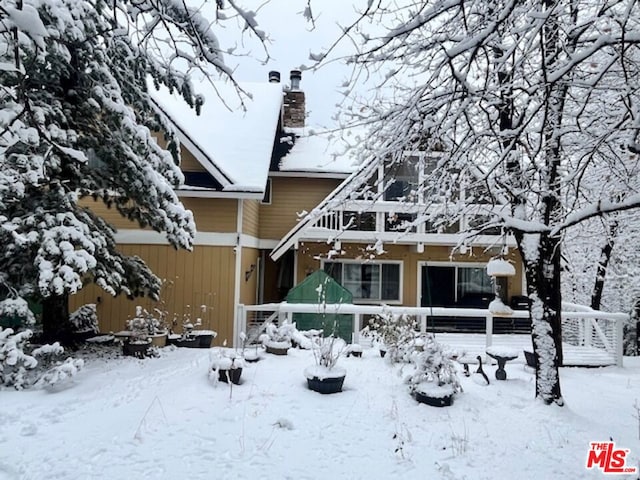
321,152
232,142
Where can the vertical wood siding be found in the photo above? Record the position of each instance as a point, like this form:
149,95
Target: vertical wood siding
290,196
251,217
213,214
192,279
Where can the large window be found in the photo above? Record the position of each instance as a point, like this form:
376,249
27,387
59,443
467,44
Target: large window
367,281
456,286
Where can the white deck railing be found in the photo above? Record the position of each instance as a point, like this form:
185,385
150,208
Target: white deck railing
581,326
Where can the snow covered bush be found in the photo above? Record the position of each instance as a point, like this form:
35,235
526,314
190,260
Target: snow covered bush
278,336
327,351
17,309
85,319
143,325
60,373
434,367
395,333
20,370
14,363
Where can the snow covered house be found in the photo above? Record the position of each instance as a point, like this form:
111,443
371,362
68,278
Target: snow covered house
249,175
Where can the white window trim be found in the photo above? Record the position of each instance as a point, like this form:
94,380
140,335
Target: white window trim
440,263
374,262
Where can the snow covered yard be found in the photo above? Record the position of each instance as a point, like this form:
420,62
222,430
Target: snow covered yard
163,418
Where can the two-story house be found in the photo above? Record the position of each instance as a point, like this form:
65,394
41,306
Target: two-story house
250,172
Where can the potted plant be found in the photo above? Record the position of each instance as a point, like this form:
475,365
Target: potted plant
396,335
226,366
435,380
192,338
325,376
277,338
252,353
137,343
85,322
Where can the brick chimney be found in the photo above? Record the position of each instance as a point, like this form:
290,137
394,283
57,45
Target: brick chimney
294,113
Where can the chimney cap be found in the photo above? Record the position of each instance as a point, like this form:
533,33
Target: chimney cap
274,76
295,76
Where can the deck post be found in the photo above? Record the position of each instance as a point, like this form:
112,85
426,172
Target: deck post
588,328
355,336
489,330
423,323
241,324
619,342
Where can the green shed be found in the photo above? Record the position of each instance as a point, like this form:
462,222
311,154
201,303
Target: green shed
321,288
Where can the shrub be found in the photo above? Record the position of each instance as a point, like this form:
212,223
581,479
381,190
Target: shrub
85,319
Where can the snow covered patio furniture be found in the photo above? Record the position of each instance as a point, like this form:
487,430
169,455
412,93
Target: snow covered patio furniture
502,355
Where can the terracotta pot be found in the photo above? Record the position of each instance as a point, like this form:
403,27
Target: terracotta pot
159,340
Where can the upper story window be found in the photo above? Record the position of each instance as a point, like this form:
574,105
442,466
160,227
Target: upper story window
404,177
371,281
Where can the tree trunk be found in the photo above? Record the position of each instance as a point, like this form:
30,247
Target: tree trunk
601,271
55,321
542,270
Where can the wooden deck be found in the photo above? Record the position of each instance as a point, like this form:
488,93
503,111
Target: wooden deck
475,344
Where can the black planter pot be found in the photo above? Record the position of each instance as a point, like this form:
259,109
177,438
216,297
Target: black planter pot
137,350
445,401
189,342
276,351
383,353
232,374
326,385
83,336
204,341
530,359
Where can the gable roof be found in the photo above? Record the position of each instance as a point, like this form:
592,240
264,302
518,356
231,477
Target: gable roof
232,141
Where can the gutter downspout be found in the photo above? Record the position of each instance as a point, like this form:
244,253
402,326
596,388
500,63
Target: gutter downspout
237,328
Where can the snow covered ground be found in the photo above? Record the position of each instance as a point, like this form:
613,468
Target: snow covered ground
163,418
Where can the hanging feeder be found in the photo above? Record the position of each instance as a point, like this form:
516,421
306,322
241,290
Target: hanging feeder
499,267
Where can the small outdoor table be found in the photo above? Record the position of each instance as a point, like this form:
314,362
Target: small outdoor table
502,356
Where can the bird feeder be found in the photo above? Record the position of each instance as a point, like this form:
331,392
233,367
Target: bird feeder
499,267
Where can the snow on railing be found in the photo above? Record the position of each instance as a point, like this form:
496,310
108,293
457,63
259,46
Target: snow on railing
581,326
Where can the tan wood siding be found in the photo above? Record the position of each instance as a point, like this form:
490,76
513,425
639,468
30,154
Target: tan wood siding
188,162
308,262
249,276
109,215
290,196
192,279
210,214
251,217
213,214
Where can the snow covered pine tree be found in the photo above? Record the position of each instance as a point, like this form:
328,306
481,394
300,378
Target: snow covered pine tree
76,120
531,97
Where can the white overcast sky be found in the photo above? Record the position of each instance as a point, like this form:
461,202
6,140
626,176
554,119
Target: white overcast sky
292,38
